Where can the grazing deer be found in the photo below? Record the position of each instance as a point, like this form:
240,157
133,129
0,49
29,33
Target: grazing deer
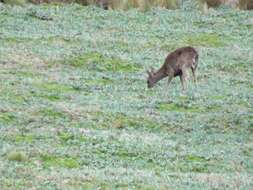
176,64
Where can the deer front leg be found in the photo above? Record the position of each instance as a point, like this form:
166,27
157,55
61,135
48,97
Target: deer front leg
194,76
170,75
170,79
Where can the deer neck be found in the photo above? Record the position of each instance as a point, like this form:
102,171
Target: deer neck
160,74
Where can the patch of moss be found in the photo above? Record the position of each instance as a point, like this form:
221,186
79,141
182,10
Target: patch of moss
7,118
54,87
51,97
51,113
100,81
218,97
24,138
89,185
123,121
25,74
65,136
197,163
119,120
195,158
14,41
55,161
99,62
194,163
206,40
124,154
17,156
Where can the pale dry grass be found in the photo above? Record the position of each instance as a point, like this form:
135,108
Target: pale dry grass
142,4
112,4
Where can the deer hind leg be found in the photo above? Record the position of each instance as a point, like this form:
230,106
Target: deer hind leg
193,68
182,81
183,78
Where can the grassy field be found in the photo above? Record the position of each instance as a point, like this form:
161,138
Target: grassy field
76,113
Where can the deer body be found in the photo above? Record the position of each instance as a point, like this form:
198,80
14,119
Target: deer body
176,64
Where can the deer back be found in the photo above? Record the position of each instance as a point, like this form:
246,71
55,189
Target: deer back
185,57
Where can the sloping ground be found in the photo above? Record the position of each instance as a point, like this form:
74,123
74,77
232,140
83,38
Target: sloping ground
76,114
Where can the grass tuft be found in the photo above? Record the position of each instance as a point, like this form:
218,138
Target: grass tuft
17,156
7,118
54,161
24,138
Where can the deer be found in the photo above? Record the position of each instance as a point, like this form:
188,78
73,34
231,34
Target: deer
176,64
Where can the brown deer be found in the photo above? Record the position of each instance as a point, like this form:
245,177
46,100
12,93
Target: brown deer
176,64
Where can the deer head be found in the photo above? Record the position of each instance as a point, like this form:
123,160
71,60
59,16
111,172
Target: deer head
150,80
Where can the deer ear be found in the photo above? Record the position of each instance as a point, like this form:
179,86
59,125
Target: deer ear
149,73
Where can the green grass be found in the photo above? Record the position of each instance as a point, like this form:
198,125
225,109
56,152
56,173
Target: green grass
76,112
24,138
17,156
97,62
54,161
7,118
53,87
209,40
15,2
